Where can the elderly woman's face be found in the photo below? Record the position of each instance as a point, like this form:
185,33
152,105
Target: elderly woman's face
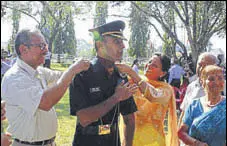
214,82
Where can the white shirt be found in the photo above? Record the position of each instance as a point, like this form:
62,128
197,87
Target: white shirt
194,90
192,78
22,90
135,68
175,72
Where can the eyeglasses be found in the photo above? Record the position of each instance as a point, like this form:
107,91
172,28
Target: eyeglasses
42,45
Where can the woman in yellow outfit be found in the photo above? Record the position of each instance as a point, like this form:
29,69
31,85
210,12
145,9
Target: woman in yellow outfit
159,99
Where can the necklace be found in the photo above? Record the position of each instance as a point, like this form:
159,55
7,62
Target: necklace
213,105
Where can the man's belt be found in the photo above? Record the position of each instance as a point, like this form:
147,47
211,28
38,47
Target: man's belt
97,130
44,142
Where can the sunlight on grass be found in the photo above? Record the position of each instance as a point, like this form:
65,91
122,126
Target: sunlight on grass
66,123
57,66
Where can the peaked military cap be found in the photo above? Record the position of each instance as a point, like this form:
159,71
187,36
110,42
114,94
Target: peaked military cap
114,28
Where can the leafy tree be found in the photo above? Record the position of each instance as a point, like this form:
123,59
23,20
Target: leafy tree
56,15
169,46
65,41
3,10
201,19
140,33
16,20
69,38
24,7
162,18
101,13
13,10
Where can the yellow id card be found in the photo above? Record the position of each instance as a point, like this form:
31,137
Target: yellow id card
104,129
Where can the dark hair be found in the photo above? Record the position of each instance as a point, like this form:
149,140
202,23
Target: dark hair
101,38
165,60
134,62
24,37
166,63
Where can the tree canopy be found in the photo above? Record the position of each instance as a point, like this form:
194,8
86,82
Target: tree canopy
199,19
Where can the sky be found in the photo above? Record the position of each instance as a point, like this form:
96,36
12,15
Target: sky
81,30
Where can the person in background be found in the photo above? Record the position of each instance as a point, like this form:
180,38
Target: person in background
156,100
6,62
176,72
100,95
220,58
31,91
47,60
135,66
13,59
189,75
221,63
204,122
4,66
6,57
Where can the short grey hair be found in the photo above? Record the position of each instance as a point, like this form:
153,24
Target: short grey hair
24,37
204,54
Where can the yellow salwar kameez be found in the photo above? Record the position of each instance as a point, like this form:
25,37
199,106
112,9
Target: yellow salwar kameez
149,119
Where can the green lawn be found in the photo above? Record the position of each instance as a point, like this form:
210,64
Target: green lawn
66,123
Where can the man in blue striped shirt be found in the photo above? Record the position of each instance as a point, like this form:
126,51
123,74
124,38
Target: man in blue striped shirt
175,74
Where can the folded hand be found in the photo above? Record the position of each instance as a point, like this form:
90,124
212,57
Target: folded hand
125,90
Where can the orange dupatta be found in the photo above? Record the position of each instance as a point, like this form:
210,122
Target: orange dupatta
172,137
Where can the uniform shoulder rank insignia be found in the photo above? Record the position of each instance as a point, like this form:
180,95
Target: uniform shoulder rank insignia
95,89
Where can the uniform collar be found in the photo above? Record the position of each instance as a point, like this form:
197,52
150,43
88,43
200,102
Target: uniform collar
106,63
101,65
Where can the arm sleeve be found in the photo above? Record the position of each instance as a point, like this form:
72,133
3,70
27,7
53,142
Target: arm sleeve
161,95
77,95
170,76
51,76
128,106
188,117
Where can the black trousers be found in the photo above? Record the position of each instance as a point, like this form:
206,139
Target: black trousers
47,63
83,139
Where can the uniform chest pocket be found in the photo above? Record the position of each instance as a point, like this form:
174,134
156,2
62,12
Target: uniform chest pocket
95,95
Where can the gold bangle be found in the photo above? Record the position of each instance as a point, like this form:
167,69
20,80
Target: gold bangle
140,82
